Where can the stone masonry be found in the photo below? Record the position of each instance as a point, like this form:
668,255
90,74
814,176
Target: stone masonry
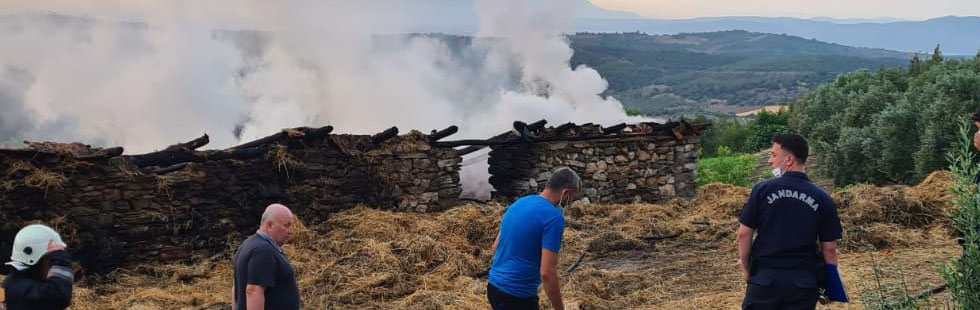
643,164
113,212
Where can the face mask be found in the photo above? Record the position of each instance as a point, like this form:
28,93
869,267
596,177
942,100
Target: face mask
777,172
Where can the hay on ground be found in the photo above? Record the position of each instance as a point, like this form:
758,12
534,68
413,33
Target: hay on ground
370,259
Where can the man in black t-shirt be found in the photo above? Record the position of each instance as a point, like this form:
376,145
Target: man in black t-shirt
264,278
790,215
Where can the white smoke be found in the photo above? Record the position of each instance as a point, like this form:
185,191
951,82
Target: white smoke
144,74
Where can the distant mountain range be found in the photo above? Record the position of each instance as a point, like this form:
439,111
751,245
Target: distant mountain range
957,35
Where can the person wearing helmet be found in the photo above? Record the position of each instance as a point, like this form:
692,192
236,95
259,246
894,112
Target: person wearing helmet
42,276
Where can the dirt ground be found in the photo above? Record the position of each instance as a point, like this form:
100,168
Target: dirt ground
678,255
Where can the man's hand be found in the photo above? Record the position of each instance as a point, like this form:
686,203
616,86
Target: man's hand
54,247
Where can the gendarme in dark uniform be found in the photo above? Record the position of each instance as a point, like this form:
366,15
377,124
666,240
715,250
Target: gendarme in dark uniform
790,215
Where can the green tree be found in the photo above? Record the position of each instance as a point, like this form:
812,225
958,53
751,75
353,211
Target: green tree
891,126
915,65
760,130
895,133
937,56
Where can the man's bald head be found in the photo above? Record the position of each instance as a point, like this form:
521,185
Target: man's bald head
275,211
277,222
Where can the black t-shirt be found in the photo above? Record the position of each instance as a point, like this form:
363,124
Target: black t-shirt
260,262
790,214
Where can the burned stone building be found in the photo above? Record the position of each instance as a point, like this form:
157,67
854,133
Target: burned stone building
179,202
645,162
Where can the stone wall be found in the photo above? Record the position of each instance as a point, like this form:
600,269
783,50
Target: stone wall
644,163
118,210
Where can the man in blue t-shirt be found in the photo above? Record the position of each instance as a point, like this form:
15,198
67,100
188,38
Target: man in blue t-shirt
526,249
790,215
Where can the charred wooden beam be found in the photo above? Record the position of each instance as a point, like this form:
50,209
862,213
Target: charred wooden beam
614,128
52,151
168,169
682,130
524,132
385,135
470,149
662,127
170,157
164,158
436,135
305,133
532,127
535,126
190,145
479,144
565,127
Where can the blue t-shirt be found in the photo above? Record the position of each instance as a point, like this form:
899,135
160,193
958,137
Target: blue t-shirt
530,224
790,214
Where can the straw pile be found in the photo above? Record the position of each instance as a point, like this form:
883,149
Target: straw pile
678,255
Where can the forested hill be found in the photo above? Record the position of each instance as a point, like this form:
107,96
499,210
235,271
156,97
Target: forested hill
718,71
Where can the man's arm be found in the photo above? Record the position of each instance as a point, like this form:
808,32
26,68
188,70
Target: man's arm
745,247
254,297
829,250
496,242
233,305
549,278
56,288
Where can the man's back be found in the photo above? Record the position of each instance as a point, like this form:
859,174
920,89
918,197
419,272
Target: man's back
530,224
789,214
259,262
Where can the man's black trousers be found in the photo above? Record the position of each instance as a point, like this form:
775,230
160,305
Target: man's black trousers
779,297
502,301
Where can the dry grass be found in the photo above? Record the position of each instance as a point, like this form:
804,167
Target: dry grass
37,177
284,161
369,259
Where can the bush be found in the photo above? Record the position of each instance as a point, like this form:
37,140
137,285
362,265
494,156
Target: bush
963,275
741,137
727,168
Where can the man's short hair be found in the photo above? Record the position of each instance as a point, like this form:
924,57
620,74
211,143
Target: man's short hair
976,116
793,143
564,178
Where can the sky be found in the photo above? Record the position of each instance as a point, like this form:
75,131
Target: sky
905,9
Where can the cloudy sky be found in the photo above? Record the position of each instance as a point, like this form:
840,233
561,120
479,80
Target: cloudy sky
906,9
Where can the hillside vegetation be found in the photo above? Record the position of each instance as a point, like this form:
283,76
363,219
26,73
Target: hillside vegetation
891,126
683,73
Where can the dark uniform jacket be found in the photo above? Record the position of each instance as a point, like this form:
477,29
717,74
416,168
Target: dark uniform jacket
790,214
24,291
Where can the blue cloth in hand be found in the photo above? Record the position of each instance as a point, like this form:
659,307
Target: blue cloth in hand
835,284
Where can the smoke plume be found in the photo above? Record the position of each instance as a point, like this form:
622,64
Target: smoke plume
146,74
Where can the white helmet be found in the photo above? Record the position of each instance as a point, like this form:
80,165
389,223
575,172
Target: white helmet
31,243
